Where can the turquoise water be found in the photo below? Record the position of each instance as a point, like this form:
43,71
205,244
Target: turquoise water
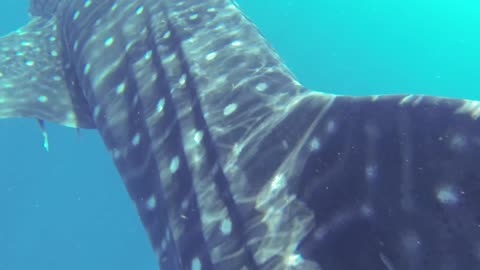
377,46
67,209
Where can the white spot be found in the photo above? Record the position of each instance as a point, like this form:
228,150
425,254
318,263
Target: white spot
7,85
366,210
121,88
236,43
211,56
96,112
226,226
42,99
160,105
184,204
371,171
331,126
230,109
163,245
139,10
26,44
170,58
182,80
193,17
148,55
151,202
314,144
76,15
54,53
174,164
70,117
75,45
109,41
136,139
220,27
116,153
447,195
30,63
196,264
261,87
57,78
167,34
198,136
87,3
285,144
86,69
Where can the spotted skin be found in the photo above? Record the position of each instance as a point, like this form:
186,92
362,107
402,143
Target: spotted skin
231,163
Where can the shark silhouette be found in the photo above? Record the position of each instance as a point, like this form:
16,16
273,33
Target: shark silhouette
233,164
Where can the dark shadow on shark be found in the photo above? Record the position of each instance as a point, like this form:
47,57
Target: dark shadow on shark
231,163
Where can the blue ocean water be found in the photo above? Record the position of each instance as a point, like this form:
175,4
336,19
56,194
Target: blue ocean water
68,209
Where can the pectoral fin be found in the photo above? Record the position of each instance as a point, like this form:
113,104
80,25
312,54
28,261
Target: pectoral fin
33,78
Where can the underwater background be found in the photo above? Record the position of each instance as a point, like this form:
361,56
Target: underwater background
68,209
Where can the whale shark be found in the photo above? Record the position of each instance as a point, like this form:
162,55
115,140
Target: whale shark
230,162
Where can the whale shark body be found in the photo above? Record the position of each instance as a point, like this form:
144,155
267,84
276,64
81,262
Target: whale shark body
232,163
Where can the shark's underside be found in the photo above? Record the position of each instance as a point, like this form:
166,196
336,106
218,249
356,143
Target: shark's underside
231,163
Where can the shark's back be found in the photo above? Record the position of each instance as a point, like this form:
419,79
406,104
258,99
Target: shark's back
231,163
